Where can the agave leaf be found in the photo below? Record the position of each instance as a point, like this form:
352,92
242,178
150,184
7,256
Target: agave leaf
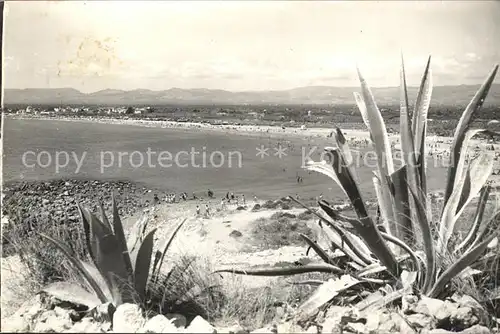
478,173
463,262
346,151
489,228
160,255
308,282
317,249
405,247
326,292
402,206
103,216
142,265
376,303
378,129
90,243
336,215
73,293
362,109
462,128
357,251
419,122
383,203
372,298
79,267
412,173
427,240
478,218
382,146
339,243
374,268
134,238
122,242
99,279
322,167
109,260
367,228
310,268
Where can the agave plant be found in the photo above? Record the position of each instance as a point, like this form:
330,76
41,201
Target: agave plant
121,269
412,243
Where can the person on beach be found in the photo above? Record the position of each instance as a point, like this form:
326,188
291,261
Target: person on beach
210,193
194,196
223,204
207,210
243,199
227,195
156,199
232,196
197,210
255,198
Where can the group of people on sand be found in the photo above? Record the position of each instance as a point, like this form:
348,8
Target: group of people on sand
172,197
230,198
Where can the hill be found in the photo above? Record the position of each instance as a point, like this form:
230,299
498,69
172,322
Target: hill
442,95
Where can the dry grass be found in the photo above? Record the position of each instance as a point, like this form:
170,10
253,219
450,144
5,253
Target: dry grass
281,229
257,307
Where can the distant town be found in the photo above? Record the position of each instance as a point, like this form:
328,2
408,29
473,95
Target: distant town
30,110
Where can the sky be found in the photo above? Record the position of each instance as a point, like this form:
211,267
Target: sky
245,45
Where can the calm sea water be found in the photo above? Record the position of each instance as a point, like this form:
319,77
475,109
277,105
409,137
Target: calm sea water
230,163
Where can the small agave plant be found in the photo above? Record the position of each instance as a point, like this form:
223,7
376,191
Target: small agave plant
120,269
413,249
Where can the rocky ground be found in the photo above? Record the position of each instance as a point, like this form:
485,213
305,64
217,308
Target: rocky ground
230,236
46,313
38,202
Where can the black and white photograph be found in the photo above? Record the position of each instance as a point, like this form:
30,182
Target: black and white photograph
250,166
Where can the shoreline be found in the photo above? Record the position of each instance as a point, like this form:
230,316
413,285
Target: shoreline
247,130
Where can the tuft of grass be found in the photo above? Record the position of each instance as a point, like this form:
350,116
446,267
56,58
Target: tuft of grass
44,263
280,230
254,307
189,289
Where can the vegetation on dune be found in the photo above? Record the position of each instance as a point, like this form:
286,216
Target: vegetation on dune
281,229
129,270
413,250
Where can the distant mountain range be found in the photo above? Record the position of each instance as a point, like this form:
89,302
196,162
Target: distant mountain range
442,95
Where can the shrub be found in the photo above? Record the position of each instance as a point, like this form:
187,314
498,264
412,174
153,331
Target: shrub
405,253
130,270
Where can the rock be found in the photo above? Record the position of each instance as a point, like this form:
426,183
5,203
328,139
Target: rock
408,304
50,322
89,325
477,309
235,234
103,312
200,325
177,319
440,310
159,324
256,207
421,321
463,318
383,322
128,318
476,329
336,316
